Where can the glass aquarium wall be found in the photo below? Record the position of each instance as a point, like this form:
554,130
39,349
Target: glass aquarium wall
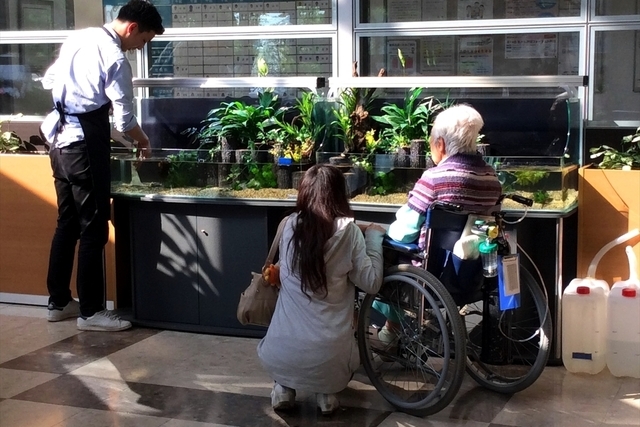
258,146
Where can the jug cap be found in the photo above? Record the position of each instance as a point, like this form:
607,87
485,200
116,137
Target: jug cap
583,290
629,292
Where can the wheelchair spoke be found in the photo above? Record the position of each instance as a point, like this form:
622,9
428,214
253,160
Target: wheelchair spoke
413,369
518,339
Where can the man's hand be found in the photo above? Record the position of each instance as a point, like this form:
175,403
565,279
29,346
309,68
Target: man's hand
143,148
143,145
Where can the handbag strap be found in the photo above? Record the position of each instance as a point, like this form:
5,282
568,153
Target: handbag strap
276,243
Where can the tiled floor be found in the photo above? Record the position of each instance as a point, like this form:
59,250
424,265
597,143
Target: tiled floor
51,374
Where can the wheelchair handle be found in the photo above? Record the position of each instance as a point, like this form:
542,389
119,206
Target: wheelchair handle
446,206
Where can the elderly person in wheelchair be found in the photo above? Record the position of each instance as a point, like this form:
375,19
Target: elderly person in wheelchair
446,316
460,177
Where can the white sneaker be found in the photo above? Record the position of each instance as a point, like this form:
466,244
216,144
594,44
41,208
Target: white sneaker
104,320
56,314
327,403
282,397
388,337
386,344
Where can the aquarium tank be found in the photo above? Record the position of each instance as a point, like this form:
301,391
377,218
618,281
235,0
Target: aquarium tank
258,142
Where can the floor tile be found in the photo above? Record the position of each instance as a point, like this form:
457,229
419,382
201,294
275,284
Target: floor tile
184,423
473,403
14,381
205,362
403,420
187,404
78,350
52,375
23,310
95,418
625,407
15,413
70,390
20,335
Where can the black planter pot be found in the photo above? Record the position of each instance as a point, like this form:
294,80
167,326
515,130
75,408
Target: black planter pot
402,157
417,150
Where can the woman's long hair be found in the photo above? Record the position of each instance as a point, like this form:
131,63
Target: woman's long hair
322,197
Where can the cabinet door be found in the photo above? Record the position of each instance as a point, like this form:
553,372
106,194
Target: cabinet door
233,242
164,262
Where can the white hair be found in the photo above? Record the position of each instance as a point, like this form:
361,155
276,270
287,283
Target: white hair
458,126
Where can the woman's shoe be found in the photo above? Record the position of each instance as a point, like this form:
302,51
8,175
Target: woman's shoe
282,397
327,403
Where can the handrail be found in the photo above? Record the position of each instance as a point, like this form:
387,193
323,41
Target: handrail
311,82
456,81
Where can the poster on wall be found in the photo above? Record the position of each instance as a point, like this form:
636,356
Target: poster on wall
475,56
437,56
475,9
401,57
528,46
434,10
403,10
569,7
531,8
568,54
112,7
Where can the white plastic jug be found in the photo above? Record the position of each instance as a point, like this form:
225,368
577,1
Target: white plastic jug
623,324
584,323
584,317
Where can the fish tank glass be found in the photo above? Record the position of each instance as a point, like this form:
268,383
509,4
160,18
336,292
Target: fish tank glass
258,146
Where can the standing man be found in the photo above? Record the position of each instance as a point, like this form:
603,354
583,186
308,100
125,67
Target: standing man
90,77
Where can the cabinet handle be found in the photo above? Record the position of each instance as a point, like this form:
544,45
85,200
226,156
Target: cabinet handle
204,232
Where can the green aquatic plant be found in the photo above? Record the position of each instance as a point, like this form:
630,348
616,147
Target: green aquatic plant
542,197
527,178
252,175
183,169
261,176
383,183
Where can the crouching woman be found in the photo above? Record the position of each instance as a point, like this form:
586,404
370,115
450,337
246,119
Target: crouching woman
310,344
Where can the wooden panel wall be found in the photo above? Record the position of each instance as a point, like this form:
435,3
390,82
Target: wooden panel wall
27,220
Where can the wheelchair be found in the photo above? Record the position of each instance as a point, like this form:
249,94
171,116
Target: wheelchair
448,319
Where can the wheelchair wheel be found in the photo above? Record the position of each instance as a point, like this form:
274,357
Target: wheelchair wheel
507,351
421,369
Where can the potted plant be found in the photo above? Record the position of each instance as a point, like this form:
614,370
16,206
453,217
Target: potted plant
609,206
10,142
236,131
627,158
352,118
297,139
407,125
243,125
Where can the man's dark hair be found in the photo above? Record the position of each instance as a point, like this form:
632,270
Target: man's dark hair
144,14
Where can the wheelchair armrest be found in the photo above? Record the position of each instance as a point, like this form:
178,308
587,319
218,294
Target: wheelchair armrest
412,248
